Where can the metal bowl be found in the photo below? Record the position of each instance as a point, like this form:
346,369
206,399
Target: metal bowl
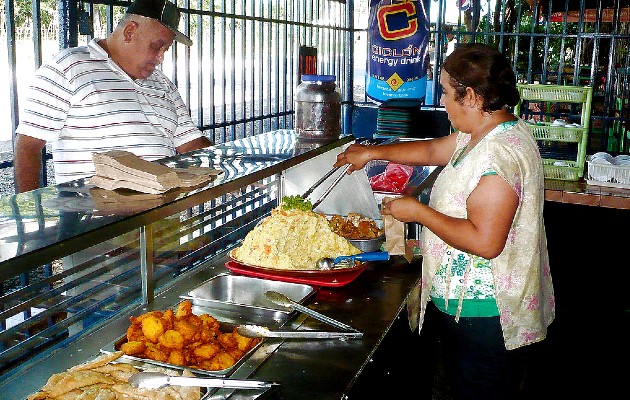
368,245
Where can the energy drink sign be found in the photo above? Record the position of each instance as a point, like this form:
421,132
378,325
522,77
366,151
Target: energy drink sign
398,49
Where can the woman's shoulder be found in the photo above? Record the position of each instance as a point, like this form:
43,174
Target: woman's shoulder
513,133
514,149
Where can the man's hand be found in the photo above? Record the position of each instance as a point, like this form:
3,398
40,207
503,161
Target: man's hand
27,163
194,144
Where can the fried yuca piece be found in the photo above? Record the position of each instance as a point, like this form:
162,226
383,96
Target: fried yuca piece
191,340
133,348
152,328
222,360
184,309
244,343
177,357
206,351
172,339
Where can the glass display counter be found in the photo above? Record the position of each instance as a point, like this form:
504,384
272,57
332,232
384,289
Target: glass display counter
76,264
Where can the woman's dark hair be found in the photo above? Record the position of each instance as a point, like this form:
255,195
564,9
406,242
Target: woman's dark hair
487,71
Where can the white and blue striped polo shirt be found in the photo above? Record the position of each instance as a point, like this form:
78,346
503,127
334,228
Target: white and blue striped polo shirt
82,102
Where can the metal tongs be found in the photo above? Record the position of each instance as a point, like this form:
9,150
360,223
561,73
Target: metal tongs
283,301
339,177
156,380
261,331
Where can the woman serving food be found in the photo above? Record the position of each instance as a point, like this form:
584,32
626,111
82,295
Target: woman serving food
485,262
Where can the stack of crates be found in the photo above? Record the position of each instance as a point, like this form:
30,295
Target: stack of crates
562,147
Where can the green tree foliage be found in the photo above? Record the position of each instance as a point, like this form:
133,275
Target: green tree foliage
24,12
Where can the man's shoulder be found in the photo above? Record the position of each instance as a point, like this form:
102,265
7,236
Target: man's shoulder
73,55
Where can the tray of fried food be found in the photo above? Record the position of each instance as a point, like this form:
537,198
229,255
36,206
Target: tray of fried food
181,339
355,226
106,377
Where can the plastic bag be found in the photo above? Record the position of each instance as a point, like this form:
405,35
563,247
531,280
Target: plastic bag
393,180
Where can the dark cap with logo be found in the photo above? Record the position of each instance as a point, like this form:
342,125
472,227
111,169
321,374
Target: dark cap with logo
163,11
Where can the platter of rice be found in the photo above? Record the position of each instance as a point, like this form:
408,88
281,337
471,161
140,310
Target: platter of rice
292,240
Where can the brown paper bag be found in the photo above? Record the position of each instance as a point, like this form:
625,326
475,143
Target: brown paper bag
396,235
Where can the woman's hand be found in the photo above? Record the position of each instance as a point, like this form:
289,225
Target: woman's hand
404,209
357,155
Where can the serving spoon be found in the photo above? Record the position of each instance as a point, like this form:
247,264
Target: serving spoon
328,263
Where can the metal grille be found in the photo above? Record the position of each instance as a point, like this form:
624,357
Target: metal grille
240,75
582,43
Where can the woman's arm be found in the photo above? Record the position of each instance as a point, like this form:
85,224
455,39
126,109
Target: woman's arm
433,152
491,209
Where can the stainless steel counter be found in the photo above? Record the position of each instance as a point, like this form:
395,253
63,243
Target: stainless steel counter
57,318
329,369
306,369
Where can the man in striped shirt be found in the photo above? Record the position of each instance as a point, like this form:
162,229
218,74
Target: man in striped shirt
104,96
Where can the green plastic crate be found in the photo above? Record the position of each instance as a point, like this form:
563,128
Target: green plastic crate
556,93
545,131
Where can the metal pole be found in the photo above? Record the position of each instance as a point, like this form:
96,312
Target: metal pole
146,264
349,97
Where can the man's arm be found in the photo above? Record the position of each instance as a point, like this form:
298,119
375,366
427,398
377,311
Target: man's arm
27,162
195,144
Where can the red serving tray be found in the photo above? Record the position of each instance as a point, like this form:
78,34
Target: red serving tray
333,278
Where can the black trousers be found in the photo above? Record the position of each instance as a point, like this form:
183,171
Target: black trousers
475,360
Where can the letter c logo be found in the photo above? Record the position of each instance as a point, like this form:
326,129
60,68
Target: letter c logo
383,12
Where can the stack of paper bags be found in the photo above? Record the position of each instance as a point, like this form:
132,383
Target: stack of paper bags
117,169
124,202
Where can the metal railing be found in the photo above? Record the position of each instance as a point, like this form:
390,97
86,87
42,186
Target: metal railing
582,42
240,75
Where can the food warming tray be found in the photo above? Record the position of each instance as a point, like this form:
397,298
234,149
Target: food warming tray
333,278
241,299
318,277
223,327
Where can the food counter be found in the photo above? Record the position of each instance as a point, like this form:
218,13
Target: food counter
124,256
581,193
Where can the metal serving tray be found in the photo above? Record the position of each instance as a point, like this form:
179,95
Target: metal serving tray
223,327
241,299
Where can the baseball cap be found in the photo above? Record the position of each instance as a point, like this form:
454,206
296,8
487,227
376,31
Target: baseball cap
163,11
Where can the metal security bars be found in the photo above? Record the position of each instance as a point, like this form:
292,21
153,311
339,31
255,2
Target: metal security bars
583,43
240,75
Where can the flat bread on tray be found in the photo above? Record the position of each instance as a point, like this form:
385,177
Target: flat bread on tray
104,379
